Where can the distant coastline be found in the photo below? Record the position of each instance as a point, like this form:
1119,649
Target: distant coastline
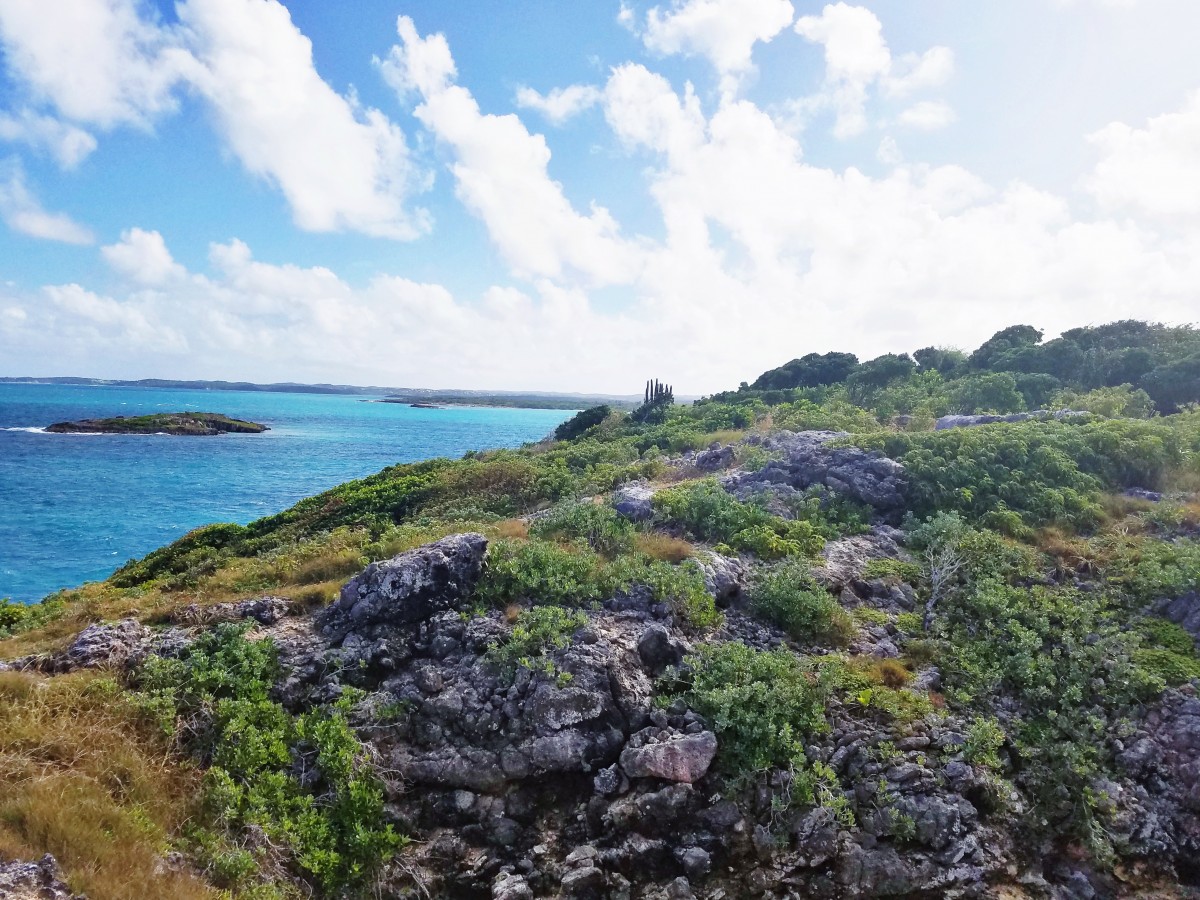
431,396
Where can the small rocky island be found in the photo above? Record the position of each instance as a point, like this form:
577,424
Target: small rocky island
183,423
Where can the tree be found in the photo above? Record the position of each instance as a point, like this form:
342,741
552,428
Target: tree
992,353
813,370
581,422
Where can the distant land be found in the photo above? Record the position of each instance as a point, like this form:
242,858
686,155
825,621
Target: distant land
448,396
183,423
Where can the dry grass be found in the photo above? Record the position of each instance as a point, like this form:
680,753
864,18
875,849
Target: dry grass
511,529
1069,552
83,777
663,547
888,672
725,436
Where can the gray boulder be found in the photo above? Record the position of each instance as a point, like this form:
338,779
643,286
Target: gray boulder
41,880
725,577
633,501
682,758
860,475
408,589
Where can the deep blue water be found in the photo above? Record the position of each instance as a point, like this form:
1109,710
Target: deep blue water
75,507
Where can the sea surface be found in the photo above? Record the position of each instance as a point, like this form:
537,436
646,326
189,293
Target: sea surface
73,508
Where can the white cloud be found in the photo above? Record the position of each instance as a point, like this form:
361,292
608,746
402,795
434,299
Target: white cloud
339,166
857,59
502,175
111,62
68,144
23,212
96,61
722,31
1153,170
143,257
561,104
928,115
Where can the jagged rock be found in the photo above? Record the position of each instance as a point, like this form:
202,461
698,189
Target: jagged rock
847,558
508,886
1184,611
102,645
714,458
407,589
658,649
672,757
956,421
867,477
41,880
633,501
1138,493
264,610
725,577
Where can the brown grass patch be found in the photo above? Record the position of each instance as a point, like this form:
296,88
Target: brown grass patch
82,776
891,673
663,547
511,529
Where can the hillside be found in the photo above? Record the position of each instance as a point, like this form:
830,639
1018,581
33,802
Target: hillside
793,640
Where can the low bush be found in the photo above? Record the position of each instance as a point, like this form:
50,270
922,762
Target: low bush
711,513
536,633
788,597
332,826
895,570
542,573
597,525
761,704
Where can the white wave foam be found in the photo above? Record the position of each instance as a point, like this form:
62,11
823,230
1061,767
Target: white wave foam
29,430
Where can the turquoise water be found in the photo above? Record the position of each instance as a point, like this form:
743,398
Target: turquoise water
75,507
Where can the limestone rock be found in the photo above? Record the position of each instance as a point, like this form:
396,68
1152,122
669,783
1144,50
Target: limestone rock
409,588
633,501
681,758
41,880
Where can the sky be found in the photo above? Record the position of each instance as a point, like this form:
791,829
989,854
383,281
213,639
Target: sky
580,196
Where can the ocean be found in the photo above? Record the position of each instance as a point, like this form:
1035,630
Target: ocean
73,508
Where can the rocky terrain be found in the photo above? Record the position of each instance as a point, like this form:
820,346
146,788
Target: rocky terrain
586,773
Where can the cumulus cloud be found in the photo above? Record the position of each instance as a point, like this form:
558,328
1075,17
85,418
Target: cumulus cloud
111,62
96,61
928,115
561,104
722,31
23,212
340,166
857,59
1154,170
68,144
501,172
143,257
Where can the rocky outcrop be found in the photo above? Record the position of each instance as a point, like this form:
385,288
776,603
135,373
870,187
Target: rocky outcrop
807,460
1184,611
567,780
725,577
408,589
956,421
41,880
843,561
633,501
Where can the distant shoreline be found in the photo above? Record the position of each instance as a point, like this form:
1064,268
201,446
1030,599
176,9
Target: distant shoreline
436,397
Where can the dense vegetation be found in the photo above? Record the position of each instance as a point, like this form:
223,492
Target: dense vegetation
1036,582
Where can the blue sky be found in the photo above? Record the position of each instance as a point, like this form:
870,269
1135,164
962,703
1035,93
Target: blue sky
580,196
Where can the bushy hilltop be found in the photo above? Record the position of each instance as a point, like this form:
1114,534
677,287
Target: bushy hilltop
790,641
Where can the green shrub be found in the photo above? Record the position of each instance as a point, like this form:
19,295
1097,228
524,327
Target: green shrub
892,570
581,422
13,615
985,737
762,705
543,574
536,633
1164,635
681,587
332,825
597,525
788,597
1172,668
711,513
